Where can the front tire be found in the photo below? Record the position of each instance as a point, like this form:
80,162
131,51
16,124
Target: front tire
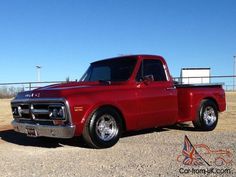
103,128
207,117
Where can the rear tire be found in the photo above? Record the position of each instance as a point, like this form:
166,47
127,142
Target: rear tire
207,117
103,128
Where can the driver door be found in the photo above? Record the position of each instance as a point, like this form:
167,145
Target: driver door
157,98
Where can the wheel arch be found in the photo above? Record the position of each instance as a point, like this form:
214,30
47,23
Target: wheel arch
117,110
89,132
93,109
198,122
213,100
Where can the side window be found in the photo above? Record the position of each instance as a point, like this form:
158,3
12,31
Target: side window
151,67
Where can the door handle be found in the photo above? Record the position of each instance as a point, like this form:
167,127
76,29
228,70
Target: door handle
170,88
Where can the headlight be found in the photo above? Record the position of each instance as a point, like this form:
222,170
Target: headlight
20,111
15,111
56,112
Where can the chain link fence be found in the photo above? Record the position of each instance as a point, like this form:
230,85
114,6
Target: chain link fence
9,90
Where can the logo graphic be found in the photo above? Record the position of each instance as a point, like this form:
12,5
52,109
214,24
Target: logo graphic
33,95
202,155
192,157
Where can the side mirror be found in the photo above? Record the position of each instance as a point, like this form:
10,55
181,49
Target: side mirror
148,79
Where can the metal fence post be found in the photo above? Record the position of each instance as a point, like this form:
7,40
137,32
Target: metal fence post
234,83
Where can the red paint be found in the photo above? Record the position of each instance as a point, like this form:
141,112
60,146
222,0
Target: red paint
142,105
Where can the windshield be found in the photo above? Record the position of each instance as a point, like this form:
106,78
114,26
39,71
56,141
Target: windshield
119,69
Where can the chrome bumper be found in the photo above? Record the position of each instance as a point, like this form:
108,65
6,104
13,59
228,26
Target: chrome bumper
44,130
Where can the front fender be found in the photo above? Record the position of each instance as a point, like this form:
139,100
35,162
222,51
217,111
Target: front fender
82,108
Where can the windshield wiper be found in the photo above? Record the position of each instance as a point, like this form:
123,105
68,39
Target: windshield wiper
105,82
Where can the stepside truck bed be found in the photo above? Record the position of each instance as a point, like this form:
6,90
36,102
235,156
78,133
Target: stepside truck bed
189,96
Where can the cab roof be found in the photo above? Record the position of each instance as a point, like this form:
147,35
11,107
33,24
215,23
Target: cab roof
137,56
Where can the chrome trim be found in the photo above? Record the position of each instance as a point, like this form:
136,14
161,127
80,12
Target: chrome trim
106,127
45,100
50,100
68,111
45,130
39,111
37,119
171,88
22,118
199,85
209,116
166,72
23,111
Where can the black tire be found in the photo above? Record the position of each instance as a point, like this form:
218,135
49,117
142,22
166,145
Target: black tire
207,116
102,120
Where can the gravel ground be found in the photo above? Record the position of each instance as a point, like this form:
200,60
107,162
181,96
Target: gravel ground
151,152
147,153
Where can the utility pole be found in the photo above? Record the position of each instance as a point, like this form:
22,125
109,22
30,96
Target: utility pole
234,79
38,68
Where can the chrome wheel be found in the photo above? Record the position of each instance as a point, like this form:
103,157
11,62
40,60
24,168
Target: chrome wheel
106,127
209,116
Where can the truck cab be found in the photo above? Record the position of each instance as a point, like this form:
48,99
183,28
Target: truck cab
115,95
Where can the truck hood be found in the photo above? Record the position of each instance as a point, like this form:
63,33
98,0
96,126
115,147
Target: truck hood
66,89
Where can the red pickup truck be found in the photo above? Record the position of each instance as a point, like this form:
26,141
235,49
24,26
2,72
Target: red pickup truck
114,95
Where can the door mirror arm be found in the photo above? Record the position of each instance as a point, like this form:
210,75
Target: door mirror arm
147,79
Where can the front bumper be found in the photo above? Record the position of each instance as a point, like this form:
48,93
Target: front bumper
44,130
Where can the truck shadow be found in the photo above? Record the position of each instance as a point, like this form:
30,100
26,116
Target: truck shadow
142,132
183,127
13,137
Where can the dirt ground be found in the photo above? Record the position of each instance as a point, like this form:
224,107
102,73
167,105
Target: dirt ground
227,119
152,152
5,114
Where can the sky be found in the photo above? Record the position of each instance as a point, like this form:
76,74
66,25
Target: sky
64,36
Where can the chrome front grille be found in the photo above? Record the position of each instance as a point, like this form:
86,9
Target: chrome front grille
39,111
